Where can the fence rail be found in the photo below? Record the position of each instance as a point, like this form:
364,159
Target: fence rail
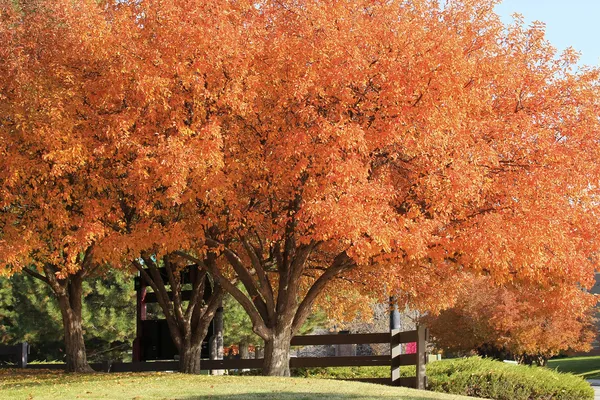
395,360
19,351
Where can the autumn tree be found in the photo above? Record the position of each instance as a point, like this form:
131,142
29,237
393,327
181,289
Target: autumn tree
525,323
299,144
188,319
296,147
403,142
94,174
172,156
54,200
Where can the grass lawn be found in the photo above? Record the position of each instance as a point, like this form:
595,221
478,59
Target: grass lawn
29,385
585,367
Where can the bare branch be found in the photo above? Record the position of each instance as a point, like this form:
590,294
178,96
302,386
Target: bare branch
258,323
36,275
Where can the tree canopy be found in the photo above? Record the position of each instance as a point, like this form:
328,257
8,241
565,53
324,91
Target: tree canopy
297,146
524,323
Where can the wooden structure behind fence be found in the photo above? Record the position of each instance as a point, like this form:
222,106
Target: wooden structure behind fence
17,352
394,360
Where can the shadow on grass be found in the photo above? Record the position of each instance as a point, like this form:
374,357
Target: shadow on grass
585,367
282,395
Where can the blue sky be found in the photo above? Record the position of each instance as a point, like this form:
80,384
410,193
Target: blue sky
574,23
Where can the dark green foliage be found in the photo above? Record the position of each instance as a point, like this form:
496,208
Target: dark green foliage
29,312
237,327
342,372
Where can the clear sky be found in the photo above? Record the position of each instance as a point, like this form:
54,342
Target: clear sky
574,23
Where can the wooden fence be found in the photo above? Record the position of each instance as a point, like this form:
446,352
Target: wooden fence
17,352
394,360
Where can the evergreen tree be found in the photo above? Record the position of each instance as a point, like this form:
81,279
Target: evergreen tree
29,312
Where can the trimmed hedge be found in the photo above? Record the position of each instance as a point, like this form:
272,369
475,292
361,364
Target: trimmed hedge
475,376
491,379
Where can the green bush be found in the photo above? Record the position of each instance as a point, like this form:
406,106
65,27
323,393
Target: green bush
342,372
479,377
490,379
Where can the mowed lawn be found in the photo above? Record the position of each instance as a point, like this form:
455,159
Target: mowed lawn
586,367
38,385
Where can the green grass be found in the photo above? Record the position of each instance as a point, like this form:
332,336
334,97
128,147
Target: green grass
585,367
38,385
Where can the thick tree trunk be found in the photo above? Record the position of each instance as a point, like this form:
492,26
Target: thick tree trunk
76,357
189,359
277,354
190,349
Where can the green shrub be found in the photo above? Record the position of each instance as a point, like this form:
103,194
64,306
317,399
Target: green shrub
479,377
490,379
342,372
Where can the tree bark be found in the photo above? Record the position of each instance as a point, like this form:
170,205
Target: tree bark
70,307
277,354
189,359
69,293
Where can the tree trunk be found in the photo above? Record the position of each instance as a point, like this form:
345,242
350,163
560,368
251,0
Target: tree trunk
189,359
216,341
244,351
76,357
277,354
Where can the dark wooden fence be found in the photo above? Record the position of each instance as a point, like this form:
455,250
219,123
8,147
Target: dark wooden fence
395,360
18,353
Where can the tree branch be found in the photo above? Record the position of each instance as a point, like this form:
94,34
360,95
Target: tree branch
54,283
175,283
264,285
245,277
197,294
340,263
161,295
36,275
211,308
258,323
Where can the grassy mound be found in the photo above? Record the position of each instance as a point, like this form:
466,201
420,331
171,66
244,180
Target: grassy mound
46,385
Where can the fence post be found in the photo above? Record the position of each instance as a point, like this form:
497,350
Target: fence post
216,341
422,338
395,351
22,349
106,365
140,306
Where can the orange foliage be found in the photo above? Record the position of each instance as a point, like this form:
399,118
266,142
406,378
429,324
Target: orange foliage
522,321
301,141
